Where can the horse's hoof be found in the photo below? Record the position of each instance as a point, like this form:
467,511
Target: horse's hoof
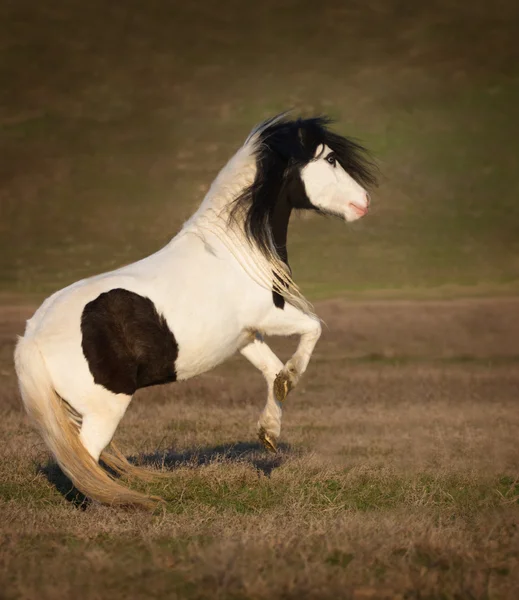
267,440
282,385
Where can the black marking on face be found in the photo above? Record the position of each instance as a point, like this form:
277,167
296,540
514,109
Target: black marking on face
127,343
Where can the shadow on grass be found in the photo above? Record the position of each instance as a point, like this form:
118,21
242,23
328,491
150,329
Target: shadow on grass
63,485
242,452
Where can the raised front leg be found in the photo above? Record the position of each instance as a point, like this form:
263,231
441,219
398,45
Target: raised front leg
291,321
281,378
262,357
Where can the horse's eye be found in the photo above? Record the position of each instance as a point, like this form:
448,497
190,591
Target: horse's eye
331,159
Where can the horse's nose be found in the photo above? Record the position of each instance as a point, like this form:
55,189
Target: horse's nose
368,200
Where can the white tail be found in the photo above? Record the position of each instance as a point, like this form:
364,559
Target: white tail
47,411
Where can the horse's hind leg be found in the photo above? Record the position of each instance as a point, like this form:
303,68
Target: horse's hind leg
99,424
269,423
101,420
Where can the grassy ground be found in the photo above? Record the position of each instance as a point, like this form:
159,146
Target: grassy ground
397,476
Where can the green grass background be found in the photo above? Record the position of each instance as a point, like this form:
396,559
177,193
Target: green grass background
115,118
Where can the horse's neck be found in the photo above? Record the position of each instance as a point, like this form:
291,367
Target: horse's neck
213,215
213,223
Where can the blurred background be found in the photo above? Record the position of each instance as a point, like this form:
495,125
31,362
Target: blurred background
115,118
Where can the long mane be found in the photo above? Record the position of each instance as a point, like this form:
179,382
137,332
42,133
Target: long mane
281,148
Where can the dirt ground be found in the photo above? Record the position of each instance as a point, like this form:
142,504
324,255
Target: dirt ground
397,475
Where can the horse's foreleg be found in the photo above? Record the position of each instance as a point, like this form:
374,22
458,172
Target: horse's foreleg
291,321
262,357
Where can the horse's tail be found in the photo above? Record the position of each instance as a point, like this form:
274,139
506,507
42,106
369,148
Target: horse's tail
61,434
114,459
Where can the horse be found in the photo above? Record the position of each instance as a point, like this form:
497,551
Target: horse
220,286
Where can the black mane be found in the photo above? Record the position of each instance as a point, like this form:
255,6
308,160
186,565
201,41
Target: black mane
283,148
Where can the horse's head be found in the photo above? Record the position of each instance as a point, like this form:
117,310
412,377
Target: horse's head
330,187
319,169
301,164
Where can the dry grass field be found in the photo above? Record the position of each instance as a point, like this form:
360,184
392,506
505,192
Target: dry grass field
398,471
397,476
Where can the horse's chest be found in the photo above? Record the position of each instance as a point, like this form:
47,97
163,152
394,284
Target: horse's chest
200,353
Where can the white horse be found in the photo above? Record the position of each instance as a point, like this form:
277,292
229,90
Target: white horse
219,286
